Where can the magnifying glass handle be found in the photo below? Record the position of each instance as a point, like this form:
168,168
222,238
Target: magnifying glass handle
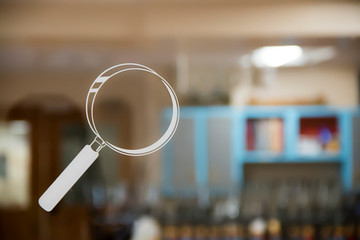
68,178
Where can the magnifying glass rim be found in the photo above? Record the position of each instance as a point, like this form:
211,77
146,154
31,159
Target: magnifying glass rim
165,138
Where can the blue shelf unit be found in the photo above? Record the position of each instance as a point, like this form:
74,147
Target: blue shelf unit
237,118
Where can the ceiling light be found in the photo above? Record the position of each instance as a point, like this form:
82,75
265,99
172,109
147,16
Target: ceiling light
276,56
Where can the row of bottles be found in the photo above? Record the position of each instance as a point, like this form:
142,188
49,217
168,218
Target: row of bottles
267,210
291,200
259,229
293,210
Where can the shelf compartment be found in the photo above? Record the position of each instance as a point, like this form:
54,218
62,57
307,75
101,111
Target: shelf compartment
318,135
265,135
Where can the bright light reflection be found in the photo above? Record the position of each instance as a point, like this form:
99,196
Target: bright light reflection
276,56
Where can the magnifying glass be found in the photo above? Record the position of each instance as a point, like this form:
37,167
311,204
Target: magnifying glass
90,153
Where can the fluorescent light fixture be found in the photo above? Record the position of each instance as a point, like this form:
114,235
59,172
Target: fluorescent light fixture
276,56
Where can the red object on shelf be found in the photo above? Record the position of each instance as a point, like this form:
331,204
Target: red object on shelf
312,126
250,136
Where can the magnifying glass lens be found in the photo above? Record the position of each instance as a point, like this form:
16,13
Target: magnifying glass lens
128,109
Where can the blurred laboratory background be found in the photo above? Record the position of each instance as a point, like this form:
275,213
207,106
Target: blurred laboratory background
268,143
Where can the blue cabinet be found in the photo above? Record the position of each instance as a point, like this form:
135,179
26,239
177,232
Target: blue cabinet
212,144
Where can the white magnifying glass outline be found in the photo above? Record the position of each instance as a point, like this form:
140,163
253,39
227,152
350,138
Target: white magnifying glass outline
88,155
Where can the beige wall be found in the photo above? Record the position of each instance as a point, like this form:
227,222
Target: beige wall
337,85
